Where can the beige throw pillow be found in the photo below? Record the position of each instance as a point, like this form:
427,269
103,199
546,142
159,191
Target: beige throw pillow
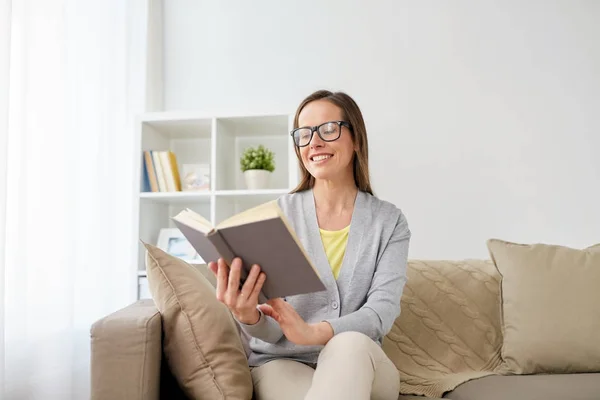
201,341
550,307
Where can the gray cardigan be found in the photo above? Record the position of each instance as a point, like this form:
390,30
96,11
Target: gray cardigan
366,296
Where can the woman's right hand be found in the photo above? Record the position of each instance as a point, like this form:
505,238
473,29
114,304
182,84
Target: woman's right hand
242,303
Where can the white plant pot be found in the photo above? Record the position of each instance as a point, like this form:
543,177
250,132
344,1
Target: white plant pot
257,179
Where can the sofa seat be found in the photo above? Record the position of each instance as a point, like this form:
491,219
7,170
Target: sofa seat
128,362
530,387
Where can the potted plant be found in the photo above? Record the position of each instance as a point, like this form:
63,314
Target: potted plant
257,164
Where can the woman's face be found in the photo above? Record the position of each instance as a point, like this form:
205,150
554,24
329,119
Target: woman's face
323,159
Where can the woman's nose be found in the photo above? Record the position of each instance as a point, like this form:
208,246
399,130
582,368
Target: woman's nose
316,141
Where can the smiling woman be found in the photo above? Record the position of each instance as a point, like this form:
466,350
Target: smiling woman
327,345
344,133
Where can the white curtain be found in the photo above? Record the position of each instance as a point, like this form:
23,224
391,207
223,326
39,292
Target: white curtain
74,70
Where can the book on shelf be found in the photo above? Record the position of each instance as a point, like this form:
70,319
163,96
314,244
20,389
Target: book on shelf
261,235
160,172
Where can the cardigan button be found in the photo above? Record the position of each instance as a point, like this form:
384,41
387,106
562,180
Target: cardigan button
334,305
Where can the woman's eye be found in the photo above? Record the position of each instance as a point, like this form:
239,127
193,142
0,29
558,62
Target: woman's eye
328,129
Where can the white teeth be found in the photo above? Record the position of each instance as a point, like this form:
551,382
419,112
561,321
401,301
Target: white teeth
321,157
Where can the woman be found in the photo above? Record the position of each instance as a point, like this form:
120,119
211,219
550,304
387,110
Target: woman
327,345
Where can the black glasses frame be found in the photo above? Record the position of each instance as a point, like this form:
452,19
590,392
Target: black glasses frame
317,128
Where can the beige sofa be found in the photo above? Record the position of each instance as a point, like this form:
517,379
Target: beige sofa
447,343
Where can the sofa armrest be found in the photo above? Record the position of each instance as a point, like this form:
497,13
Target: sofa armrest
126,351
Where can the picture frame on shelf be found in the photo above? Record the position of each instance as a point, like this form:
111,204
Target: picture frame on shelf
172,242
195,177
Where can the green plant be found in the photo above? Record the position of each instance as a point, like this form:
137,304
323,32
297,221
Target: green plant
257,158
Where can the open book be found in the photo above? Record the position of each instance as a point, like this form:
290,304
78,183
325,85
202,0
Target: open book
261,235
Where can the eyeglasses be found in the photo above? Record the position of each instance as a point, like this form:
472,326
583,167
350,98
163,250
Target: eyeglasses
328,132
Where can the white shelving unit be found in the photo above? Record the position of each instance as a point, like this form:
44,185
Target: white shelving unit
218,141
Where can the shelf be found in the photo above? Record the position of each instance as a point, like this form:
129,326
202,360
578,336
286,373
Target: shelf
204,197
216,142
191,128
264,192
259,126
168,116
176,197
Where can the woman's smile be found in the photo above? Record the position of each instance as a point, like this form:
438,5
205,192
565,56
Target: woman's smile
320,158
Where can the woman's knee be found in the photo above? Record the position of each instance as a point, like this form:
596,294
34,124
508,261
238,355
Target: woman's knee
281,379
351,340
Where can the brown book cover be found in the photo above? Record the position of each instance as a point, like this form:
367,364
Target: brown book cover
261,235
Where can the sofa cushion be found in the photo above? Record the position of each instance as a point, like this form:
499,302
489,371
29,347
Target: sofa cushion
201,341
530,387
449,329
126,353
212,279
551,307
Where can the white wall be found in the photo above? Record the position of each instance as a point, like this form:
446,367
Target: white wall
483,117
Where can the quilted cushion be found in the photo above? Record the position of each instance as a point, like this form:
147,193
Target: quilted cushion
449,329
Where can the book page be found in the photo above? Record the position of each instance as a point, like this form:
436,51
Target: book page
262,212
194,220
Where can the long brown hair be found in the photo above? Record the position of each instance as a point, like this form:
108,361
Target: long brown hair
351,113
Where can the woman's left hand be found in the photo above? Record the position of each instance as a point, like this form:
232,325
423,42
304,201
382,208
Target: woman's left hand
295,329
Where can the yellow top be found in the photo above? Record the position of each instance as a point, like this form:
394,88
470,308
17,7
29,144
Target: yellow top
334,243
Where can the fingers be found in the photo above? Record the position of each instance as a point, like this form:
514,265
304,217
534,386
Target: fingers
269,311
283,308
258,287
277,303
214,267
228,283
250,281
222,277
233,284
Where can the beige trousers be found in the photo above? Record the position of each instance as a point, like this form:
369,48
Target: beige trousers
350,366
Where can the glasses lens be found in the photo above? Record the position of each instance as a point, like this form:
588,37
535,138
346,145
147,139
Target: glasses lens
302,136
330,131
